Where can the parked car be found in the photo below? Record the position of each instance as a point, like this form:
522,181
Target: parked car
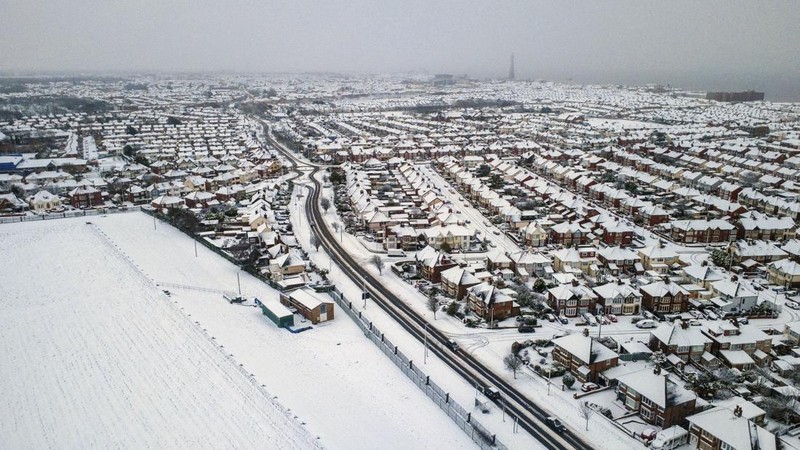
648,434
589,387
793,305
563,320
555,424
711,315
526,329
695,323
602,319
743,320
612,318
696,314
453,345
646,323
550,317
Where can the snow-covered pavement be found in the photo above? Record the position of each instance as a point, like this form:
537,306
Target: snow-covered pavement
95,356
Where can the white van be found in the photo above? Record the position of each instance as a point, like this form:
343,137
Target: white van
395,252
672,437
647,323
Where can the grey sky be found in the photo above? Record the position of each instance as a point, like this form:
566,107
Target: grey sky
726,44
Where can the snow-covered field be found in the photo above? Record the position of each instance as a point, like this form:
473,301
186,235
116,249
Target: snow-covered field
95,356
331,377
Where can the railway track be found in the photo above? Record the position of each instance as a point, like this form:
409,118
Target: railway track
530,416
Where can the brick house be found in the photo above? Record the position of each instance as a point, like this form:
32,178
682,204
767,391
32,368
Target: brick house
659,400
456,281
490,303
572,300
313,306
739,346
431,263
85,197
583,356
664,296
702,231
679,339
730,427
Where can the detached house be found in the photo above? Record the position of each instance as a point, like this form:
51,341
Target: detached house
583,356
734,296
658,399
490,303
679,339
456,281
735,426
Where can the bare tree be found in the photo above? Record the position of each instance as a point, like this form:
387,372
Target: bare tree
512,363
325,203
586,412
315,241
378,261
433,304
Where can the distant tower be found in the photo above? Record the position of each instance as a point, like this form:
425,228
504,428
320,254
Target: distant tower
511,69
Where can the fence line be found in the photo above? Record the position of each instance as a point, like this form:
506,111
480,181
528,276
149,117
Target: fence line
479,434
68,214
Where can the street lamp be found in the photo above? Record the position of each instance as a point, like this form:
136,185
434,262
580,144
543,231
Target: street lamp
425,360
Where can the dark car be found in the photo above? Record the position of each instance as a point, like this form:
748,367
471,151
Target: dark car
492,393
526,329
555,424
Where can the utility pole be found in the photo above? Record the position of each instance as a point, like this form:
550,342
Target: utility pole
154,220
195,248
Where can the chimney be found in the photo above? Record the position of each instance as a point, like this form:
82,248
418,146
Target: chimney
657,369
737,411
704,263
734,278
575,283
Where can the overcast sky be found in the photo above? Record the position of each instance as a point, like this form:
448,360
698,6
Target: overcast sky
696,44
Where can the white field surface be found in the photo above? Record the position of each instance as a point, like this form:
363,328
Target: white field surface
95,356
331,378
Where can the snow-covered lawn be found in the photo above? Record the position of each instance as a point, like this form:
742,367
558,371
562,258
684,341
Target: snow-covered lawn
336,381
95,356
